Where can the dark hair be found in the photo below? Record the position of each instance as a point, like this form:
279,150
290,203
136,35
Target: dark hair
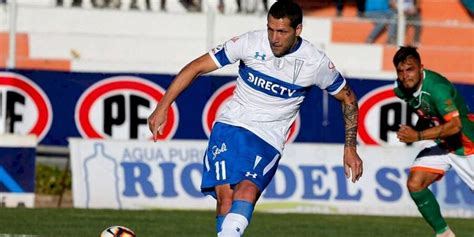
287,8
405,52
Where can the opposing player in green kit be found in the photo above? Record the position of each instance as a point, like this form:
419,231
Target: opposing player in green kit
445,122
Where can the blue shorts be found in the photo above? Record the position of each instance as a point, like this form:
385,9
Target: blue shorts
235,154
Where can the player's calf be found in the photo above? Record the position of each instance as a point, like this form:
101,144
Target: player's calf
237,219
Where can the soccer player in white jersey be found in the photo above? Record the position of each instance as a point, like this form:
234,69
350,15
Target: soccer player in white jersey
277,67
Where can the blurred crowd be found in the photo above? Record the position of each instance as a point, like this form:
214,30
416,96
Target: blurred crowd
243,6
383,13
113,4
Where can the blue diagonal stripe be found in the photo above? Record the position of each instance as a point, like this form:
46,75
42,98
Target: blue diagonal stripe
221,56
336,84
10,183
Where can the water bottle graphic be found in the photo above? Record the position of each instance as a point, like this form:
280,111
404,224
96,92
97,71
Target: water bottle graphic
102,182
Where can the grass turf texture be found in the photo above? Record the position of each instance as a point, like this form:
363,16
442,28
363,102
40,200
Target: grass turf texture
80,223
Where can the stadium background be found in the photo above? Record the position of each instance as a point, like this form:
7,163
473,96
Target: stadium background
64,54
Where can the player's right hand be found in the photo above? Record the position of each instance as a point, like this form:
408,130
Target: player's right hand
157,122
407,134
353,165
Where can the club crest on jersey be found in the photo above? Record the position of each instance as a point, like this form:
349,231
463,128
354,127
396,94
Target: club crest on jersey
260,56
298,65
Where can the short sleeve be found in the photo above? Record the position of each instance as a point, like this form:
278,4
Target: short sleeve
444,101
229,52
328,77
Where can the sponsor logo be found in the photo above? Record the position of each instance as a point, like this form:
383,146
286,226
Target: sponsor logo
118,107
270,86
380,114
260,56
216,103
218,150
253,175
24,107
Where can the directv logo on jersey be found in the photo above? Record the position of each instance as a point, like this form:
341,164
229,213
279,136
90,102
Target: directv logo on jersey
270,86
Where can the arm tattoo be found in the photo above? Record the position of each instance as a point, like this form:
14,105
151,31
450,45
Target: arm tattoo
350,112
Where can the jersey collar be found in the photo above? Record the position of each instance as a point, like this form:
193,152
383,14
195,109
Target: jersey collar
296,46
417,92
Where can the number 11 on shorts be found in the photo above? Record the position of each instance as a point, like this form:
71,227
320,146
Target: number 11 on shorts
220,168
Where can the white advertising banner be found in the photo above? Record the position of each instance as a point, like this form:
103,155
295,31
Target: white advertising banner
124,174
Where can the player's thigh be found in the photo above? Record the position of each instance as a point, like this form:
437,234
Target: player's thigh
464,167
430,165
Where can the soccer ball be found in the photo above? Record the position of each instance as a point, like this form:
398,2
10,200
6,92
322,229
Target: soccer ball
117,231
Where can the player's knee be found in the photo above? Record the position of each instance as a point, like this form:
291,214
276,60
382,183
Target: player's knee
415,185
248,191
419,181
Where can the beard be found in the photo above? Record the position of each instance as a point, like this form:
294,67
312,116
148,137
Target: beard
408,91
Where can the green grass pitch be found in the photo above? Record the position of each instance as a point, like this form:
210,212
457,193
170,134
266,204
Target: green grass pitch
174,223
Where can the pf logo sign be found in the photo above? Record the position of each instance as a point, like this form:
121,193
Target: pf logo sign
24,107
216,103
381,112
118,107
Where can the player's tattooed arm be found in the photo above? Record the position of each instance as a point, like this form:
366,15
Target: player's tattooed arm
350,112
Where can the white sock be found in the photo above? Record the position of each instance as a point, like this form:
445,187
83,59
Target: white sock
233,225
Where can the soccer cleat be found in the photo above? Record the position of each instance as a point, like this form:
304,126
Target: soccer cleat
447,233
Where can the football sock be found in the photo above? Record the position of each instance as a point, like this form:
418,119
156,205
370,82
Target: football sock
219,220
237,219
429,209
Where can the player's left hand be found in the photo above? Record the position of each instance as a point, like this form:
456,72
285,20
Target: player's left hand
407,134
157,122
352,164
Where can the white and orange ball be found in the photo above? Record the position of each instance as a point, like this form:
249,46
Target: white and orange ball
117,231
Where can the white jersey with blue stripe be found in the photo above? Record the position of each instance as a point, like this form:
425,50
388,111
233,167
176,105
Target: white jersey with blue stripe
269,89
